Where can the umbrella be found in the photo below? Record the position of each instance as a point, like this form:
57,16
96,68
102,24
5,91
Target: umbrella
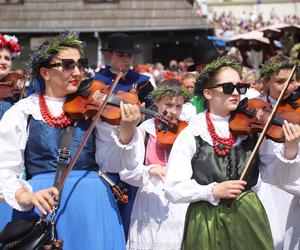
248,39
275,32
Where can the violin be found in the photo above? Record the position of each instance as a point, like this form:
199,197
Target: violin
269,122
11,86
166,137
86,101
252,115
119,193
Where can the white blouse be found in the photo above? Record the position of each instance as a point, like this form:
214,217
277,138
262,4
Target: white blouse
14,136
180,187
136,173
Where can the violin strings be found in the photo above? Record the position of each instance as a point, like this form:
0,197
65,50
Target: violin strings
276,119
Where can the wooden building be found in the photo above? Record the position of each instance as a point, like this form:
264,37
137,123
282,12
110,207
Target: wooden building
163,29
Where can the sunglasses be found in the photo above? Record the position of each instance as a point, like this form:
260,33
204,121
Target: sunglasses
228,87
70,64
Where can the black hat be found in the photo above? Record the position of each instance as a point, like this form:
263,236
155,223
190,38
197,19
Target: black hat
122,43
203,53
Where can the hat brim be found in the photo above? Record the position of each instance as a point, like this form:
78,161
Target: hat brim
129,51
192,67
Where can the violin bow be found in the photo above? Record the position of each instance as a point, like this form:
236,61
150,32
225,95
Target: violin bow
89,131
267,125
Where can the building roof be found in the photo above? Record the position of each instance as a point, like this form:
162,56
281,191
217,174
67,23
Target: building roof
123,15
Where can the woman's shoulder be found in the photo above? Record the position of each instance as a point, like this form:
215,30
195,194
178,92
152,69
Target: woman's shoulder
26,103
24,106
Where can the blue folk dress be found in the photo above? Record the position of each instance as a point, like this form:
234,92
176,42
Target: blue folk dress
87,217
4,208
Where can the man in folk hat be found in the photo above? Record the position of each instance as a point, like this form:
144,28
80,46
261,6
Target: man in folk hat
120,51
202,54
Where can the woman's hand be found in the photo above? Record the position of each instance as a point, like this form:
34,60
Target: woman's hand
158,171
44,200
130,117
228,189
292,139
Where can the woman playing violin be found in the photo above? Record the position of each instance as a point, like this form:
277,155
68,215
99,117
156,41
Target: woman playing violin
87,217
276,201
9,50
206,162
155,222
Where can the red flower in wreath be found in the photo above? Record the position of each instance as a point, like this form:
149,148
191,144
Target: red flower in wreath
12,43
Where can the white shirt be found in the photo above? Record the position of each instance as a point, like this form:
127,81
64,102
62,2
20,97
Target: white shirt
14,136
180,187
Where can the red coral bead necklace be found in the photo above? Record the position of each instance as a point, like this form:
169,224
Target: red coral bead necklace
60,121
217,140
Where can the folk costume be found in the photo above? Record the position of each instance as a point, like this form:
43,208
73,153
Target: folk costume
275,200
87,216
194,167
10,43
155,222
123,43
276,197
205,155
87,203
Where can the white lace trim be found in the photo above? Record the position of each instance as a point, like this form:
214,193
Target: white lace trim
130,145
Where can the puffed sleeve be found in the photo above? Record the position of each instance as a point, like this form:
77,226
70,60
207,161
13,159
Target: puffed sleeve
135,172
13,137
277,170
111,154
179,187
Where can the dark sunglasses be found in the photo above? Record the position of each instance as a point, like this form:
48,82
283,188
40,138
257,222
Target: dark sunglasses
228,87
70,64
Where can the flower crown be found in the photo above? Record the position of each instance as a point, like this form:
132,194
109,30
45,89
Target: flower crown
162,92
213,67
12,43
269,68
49,48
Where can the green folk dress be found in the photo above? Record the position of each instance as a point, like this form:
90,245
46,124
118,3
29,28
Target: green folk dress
239,224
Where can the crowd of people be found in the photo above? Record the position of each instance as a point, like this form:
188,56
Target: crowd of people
175,153
227,25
